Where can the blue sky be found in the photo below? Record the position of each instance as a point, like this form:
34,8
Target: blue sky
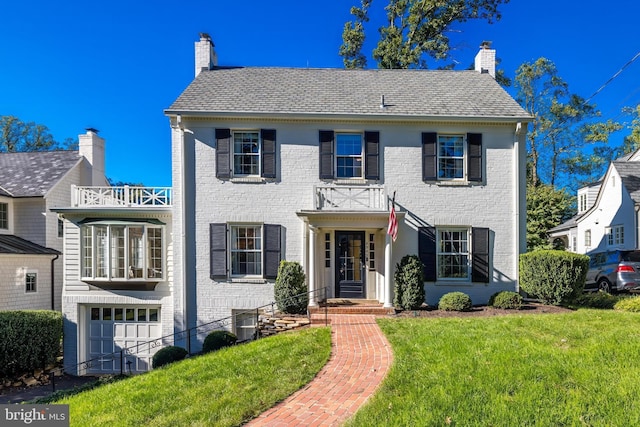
116,65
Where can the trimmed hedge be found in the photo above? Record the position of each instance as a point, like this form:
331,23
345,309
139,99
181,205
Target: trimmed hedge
29,340
508,300
554,277
217,340
631,304
168,355
409,283
455,301
290,288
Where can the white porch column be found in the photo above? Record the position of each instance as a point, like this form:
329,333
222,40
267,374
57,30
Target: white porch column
388,273
313,297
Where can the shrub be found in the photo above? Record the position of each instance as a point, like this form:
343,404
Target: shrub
455,301
598,299
217,340
631,304
507,300
290,290
168,355
409,283
555,277
29,340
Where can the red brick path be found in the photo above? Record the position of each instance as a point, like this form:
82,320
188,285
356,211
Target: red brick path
360,359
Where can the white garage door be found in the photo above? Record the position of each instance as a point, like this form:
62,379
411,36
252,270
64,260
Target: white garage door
112,329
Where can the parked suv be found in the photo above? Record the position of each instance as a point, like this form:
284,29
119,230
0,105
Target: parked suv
614,271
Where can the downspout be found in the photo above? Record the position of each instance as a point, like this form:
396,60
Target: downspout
183,228
516,146
53,305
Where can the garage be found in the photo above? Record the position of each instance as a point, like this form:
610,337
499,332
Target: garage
111,329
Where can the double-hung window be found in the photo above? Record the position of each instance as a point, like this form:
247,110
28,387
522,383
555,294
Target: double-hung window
4,216
246,250
245,153
31,282
349,155
453,253
452,157
616,235
122,252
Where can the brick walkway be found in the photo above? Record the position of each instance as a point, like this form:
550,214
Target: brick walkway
360,359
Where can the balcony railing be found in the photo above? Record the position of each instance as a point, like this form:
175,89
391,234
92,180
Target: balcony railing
124,196
354,198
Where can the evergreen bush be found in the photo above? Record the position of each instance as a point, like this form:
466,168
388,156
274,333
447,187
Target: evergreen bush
455,301
508,300
598,299
29,340
290,290
631,304
555,277
409,283
167,355
217,340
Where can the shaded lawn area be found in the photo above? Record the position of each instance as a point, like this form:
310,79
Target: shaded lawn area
575,369
224,388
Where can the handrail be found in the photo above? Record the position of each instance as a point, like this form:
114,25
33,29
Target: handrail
121,196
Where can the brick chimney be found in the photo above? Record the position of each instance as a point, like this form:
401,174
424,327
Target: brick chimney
91,147
485,61
206,57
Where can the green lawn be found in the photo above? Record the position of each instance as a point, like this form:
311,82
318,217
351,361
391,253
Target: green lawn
224,388
575,369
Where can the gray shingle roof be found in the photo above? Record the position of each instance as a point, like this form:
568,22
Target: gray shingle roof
411,93
10,244
630,176
34,173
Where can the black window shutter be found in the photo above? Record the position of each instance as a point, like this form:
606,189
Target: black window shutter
372,155
268,153
272,250
326,154
427,252
218,250
480,255
429,156
223,153
474,158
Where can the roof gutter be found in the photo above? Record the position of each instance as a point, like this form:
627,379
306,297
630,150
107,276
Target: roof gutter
53,287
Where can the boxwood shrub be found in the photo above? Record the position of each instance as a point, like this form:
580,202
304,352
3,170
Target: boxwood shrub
455,301
217,340
506,300
29,340
168,355
554,277
628,304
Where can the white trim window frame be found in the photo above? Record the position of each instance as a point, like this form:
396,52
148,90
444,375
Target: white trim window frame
587,238
615,235
247,153
4,216
453,253
31,282
246,250
452,157
349,158
122,252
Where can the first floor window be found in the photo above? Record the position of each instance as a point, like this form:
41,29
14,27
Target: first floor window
4,216
246,153
453,254
587,238
122,252
246,250
616,235
31,282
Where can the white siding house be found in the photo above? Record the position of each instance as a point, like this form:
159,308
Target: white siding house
301,164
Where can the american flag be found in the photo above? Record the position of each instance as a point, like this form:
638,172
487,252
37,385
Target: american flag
392,230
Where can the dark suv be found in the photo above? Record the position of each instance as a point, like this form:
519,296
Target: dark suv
614,271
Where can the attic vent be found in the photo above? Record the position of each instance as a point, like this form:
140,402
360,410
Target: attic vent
382,105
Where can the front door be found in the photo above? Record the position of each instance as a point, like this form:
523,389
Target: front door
350,262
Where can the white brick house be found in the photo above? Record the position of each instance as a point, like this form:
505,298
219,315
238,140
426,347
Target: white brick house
32,184
300,164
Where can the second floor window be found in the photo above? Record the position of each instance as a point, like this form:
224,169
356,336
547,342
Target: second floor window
450,157
348,155
246,153
122,252
4,216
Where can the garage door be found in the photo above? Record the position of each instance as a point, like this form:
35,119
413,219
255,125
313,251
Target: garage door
112,329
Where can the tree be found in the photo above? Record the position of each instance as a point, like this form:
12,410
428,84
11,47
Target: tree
416,30
562,128
547,207
16,135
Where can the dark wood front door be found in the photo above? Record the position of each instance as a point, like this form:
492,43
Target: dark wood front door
350,263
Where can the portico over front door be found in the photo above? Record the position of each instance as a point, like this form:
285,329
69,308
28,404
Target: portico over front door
350,264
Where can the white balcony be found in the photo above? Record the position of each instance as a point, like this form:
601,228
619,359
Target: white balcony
125,196
350,198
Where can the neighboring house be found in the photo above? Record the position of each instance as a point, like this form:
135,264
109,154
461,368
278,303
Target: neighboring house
31,243
607,211
301,163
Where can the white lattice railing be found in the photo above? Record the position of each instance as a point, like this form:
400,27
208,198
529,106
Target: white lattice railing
350,198
121,196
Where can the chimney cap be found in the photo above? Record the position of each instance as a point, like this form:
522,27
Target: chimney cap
486,44
205,36
93,130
